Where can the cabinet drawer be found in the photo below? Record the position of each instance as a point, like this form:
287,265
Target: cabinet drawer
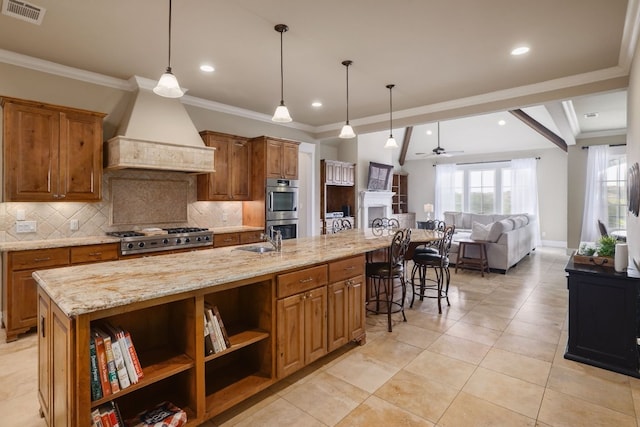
300,281
346,268
226,239
250,237
94,253
38,258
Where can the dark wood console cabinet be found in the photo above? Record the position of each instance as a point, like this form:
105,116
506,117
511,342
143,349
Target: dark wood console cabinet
603,318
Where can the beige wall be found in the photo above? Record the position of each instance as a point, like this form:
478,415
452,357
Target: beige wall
633,148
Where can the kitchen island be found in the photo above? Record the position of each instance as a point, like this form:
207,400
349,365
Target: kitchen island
283,310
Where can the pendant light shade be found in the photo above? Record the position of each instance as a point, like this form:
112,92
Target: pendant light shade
391,142
347,130
281,114
168,84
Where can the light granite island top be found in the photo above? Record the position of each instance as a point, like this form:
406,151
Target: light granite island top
85,289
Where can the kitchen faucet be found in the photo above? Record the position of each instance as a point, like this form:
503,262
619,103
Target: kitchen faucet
276,241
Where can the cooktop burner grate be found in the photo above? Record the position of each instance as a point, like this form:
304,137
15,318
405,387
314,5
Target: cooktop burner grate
124,234
184,230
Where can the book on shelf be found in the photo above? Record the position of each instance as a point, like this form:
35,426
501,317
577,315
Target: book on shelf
216,333
225,336
96,419
208,344
103,371
212,331
111,363
107,415
133,354
96,388
121,369
165,414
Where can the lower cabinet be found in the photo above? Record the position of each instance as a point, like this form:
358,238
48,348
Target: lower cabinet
19,302
346,302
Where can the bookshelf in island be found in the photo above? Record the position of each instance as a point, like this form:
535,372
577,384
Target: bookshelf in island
163,303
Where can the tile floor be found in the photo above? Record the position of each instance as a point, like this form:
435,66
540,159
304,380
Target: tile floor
494,358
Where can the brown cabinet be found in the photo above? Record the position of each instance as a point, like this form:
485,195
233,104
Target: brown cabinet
346,302
301,311
236,238
56,383
51,153
232,178
399,186
19,302
337,191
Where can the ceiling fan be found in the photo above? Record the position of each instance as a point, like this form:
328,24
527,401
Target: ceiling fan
439,151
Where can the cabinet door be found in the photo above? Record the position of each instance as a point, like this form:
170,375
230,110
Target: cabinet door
290,334
240,175
330,172
80,157
356,308
315,324
215,186
349,176
30,153
23,299
44,359
274,159
62,375
290,160
338,315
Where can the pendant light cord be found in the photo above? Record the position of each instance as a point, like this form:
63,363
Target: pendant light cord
348,93
169,67
390,110
281,71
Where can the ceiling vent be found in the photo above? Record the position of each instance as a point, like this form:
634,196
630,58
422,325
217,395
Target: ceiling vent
24,11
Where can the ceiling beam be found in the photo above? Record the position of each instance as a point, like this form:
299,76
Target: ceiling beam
540,128
405,144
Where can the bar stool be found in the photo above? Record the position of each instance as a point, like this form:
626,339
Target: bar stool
465,261
384,275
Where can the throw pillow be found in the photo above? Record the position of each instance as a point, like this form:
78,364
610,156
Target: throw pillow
498,228
480,231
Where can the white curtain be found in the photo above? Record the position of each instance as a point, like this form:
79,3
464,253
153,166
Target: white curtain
524,190
445,189
595,202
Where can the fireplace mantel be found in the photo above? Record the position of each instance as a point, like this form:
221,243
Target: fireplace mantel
374,199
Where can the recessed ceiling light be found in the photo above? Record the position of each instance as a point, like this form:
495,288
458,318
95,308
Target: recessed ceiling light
502,122
207,68
521,50
429,132
316,104
591,115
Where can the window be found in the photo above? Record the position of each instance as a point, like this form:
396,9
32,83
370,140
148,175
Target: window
616,184
506,191
482,190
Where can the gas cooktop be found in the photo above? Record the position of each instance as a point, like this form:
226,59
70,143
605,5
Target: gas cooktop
135,242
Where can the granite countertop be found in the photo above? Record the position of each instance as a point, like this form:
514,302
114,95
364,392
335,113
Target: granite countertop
26,245
88,288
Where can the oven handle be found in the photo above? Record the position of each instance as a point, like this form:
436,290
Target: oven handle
270,197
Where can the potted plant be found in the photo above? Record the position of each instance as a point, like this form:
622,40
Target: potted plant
601,254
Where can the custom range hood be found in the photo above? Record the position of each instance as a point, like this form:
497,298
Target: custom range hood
157,133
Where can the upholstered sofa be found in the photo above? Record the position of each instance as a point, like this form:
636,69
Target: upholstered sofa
509,237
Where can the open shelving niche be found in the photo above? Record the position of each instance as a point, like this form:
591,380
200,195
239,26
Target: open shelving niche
169,340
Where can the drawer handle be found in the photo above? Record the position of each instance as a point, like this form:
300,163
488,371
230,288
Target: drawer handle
42,323
310,279
95,253
228,240
351,267
41,259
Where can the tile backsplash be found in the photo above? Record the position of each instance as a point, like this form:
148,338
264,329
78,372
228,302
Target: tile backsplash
131,199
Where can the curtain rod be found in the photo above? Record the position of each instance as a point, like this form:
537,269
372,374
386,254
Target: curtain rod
586,147
488,161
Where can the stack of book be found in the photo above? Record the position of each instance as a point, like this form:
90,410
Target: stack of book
114,361
107,415
216,338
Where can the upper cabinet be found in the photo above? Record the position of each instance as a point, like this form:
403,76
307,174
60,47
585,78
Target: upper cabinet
51,153
339,173
232,178
281,158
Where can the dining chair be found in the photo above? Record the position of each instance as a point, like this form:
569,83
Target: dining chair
439,262
435,225
387,277
341,224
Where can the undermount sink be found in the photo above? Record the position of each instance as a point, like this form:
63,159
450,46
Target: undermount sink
257,249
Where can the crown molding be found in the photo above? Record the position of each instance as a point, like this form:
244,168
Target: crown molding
629,34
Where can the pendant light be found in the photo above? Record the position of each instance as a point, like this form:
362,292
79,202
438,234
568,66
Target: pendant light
168,84
391,142
347,130
282,113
